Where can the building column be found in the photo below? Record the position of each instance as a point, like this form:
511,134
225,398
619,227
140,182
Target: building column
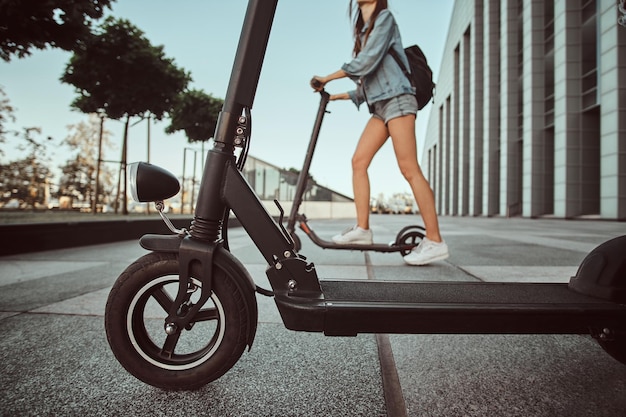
439,193
491,108
455,119
447,160
476,111
509,111
533,109
465,105
612,90
567,107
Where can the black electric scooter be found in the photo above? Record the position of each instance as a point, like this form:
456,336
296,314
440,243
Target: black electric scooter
406,239
182,315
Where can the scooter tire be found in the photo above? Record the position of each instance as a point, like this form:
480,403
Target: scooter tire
134,320
409,236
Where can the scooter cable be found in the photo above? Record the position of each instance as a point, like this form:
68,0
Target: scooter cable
246,146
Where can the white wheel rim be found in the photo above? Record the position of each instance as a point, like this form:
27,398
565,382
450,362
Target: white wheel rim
174,367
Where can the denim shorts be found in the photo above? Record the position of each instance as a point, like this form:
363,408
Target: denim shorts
398,106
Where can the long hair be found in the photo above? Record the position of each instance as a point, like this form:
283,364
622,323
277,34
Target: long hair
359,23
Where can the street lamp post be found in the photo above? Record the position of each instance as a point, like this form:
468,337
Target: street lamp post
94,206
193,180
148,154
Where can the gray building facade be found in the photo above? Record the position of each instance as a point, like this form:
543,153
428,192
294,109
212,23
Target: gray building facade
529,117
273,183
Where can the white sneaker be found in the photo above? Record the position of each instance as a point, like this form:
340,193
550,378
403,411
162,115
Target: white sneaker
426,252
354,235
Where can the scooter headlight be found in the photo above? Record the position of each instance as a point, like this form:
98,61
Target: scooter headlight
150,183
132,171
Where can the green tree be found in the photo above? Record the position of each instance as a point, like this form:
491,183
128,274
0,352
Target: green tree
64,24
196,113
79,172
7,114
119,72
27,179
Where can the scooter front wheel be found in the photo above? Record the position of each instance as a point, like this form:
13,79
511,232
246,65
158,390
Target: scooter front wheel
135,315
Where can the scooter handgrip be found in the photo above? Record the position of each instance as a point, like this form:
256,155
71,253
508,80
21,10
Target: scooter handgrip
315,83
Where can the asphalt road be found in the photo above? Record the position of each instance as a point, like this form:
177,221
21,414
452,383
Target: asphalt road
56,361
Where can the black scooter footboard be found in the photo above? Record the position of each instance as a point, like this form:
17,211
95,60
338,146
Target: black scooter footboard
352,307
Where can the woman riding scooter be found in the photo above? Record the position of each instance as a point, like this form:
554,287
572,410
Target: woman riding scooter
391,100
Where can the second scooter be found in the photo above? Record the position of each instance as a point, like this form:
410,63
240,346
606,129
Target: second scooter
406,239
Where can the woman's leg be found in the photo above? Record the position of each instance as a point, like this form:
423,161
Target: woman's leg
373,137
402,132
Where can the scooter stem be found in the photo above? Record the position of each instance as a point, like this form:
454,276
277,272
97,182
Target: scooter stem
304,174
242,87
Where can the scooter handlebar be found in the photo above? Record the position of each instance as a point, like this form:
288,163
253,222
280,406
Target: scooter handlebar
318,86
315,83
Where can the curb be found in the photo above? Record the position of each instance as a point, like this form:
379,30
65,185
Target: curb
36,237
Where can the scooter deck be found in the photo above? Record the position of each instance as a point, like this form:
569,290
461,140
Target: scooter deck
376,247
351,307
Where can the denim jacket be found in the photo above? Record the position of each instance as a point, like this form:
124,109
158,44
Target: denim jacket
377,75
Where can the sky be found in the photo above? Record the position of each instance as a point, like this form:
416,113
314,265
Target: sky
201,36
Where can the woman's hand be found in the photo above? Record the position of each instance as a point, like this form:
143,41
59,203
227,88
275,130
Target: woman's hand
317,83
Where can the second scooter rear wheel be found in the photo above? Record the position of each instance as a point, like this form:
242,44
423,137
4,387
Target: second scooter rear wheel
135,314
409,236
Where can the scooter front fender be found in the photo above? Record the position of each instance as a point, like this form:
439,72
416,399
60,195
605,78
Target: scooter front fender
161,243
232,266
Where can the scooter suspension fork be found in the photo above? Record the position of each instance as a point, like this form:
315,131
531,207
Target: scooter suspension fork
183,311
198,249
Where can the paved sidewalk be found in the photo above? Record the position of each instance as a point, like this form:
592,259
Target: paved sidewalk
56,360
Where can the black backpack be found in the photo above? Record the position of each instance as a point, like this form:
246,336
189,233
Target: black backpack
421,76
